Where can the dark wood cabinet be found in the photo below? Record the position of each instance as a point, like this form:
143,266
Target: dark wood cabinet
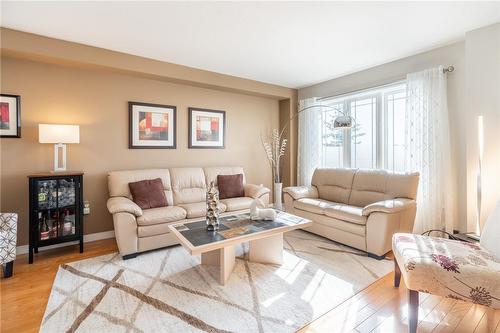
56,209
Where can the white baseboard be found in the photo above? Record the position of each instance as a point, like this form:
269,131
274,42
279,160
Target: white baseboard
23,249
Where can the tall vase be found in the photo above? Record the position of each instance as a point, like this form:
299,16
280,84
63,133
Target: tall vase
277,196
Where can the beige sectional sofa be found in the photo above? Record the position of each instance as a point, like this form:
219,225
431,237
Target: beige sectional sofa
138,230
359,208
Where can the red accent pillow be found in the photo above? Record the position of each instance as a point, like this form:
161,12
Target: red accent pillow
230,186
148,193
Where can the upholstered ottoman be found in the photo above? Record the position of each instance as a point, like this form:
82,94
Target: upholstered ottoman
443,267
8,241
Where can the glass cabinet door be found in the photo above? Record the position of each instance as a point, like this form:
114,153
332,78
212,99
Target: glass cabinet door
66,193
56,211
47,194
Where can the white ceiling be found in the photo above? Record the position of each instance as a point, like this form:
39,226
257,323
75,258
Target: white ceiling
293,44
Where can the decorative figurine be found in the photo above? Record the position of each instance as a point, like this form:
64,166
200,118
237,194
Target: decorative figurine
258,211
212,208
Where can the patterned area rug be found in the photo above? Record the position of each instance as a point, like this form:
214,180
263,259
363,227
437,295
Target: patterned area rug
169,291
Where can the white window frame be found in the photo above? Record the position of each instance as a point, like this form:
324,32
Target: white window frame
380,94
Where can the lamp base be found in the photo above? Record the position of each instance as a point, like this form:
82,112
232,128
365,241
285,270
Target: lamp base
57,166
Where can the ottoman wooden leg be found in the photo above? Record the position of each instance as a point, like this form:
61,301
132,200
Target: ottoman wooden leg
412,311
8,269
397,274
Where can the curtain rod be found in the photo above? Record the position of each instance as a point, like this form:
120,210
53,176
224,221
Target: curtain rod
399,81
446,70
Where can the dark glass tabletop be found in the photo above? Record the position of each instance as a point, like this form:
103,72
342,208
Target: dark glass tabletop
233,226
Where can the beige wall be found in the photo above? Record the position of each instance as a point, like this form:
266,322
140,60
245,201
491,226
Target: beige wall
482,56
97,99
29,46
453,54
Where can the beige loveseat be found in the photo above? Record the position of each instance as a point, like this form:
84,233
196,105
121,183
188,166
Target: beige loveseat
138,230
359,208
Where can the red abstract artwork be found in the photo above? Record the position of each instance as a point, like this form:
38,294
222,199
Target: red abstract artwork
207,128
4,116
153,126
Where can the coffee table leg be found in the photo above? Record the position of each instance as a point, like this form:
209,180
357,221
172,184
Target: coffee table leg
267,250
224,258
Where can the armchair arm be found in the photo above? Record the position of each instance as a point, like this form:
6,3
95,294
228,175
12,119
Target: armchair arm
389,206
299,192
255,191
123,205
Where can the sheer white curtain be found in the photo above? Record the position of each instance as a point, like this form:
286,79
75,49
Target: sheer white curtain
428,148
309,143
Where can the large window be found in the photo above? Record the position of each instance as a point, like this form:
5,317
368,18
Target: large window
377,137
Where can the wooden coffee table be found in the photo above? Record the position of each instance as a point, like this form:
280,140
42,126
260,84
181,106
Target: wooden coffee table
217,247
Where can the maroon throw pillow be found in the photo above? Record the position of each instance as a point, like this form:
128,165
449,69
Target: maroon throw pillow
230,186
148,193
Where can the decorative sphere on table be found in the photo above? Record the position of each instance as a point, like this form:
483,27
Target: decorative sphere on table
212,207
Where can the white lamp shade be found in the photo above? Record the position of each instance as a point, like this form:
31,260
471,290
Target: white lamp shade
53,133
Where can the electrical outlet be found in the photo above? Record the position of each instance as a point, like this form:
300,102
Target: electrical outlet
86,208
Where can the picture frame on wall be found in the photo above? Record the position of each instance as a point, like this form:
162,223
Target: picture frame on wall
152,126
207,128
10,116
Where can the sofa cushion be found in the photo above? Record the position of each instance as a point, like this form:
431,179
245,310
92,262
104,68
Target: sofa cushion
234,204
331,222
333,184
230,186
118,182
211,173
153,229
348,213
148,193
316,206
199,209
403,185
161,215
188,185
368,186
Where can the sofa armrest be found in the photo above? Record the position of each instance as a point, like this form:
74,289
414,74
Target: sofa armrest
389,206
299,192
123,205
255,191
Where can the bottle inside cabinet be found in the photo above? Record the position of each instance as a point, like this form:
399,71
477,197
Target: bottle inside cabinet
68,222
43,227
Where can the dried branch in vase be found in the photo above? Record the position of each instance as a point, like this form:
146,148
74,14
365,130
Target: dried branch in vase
275,147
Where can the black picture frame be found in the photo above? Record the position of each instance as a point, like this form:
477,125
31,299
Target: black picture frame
18,117
191,144
131,144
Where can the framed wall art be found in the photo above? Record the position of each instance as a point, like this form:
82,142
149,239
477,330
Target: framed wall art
10,116
207,128
152,126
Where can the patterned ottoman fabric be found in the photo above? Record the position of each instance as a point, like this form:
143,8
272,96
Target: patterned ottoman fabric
443,267
8,237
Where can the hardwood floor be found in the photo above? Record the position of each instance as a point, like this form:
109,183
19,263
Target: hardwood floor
25,294
382,308
378,308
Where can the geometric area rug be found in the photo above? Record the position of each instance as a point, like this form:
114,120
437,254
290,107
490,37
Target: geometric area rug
168,290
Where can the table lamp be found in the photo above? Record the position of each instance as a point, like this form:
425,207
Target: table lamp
59,135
